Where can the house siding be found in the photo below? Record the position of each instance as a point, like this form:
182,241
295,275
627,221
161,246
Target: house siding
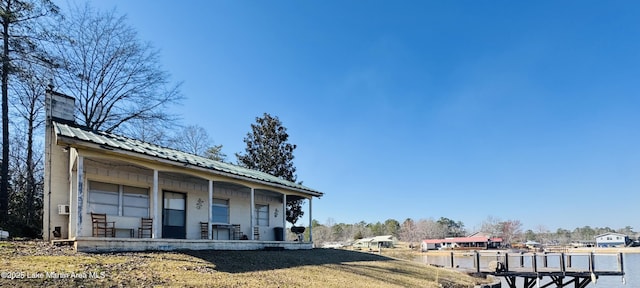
56,188
611,240
197,195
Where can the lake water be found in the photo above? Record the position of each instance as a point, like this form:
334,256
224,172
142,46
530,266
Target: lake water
603,262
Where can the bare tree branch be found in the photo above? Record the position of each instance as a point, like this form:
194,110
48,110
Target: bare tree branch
115,77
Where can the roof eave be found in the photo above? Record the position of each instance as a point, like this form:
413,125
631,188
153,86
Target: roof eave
115,150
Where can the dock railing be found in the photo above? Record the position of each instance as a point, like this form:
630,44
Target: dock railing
562,269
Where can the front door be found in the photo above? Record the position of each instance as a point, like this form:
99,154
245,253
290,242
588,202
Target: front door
174,215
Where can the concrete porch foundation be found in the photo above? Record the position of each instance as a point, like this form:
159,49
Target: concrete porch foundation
95,244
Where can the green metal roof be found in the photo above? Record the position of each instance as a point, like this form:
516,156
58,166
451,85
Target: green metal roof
113,142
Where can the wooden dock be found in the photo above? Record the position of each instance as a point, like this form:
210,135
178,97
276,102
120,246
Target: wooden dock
541,269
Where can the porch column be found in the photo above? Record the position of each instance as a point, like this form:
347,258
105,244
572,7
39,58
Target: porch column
284,217
251,212
80,178
71,225
156,206
310,221
210,210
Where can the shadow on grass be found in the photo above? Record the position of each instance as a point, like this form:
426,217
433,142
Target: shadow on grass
251,261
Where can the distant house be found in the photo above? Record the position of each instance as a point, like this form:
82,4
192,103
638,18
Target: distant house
332,245
532,244
612,240
476,242
430,244
106,192
492,243
583,243
386,241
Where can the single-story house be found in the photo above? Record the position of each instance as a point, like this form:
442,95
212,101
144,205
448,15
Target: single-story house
430,244
612,240
492,241
105,192
461,243
386,241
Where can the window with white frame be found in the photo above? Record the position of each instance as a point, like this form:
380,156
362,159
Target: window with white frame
220,210
119,200
262,215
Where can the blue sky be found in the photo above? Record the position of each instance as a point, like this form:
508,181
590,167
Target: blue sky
423,109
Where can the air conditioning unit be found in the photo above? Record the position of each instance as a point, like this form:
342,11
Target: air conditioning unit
63,209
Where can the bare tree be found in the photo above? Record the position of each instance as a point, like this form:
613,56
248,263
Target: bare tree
28,107
116,79
321,233
416,231
491,226
195,140
511,229
25,205
430,229
542,232
149,131
409,232
192,139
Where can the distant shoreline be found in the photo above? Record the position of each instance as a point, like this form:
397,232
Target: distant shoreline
625,250
600,250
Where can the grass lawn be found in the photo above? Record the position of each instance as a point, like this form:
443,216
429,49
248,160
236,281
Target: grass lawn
29,262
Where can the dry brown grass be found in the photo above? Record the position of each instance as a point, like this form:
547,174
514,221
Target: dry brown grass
306,268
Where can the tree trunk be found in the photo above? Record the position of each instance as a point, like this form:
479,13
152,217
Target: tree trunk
31,181
4,171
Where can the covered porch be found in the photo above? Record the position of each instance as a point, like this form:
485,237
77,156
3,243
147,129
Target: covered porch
187,202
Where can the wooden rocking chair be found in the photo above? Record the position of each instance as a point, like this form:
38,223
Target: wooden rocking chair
204,230
256,233
102,228
146,224
237,233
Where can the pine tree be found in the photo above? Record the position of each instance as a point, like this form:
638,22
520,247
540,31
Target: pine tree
22,29
268,151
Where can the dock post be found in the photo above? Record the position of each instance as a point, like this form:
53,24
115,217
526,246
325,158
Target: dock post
545,263
620,262
451,260
506,261
477,258
563,268
591,264
534,262
521,259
